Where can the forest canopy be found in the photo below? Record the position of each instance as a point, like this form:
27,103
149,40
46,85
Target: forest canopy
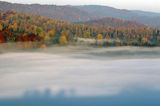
22,27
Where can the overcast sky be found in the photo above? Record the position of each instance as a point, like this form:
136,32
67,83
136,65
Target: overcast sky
147,5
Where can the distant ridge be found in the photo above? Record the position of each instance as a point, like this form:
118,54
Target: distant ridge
84,13
68,13
148,18
113,22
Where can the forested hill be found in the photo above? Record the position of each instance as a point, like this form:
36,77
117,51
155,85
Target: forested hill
144,17
67,13
21,27
84,13
113,22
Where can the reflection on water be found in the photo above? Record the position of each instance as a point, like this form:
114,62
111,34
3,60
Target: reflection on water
138,97
102,76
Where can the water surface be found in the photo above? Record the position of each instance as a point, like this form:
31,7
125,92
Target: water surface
81,72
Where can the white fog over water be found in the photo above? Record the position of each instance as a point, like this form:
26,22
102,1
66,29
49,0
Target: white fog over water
86,71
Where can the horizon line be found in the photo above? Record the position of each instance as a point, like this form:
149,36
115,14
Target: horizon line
52,4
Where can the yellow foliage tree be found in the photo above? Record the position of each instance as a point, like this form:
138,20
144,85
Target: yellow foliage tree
33,29
99,37
14,26
42,35
99,40
63,40
87,34
51,33
1,27
46,38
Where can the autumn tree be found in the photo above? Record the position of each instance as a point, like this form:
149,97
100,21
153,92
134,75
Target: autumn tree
63,38
99,39
51,33
14,25
39,30
2,38
1,27
87,34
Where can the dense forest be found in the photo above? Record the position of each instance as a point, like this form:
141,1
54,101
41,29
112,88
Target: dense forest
22,27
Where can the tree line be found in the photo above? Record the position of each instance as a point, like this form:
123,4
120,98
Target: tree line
22,27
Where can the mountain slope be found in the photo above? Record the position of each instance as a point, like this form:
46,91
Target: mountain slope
147,18
84,13
68,13
145,13
113,22
103,11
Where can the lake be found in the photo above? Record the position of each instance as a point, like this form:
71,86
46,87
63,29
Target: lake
114,76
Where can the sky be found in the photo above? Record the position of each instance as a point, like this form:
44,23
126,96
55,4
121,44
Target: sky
146,5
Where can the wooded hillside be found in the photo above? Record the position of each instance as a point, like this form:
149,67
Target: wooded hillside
20,27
